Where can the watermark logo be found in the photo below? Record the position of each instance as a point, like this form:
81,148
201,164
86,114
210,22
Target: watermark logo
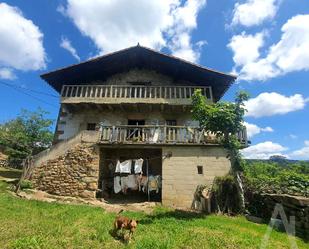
288,226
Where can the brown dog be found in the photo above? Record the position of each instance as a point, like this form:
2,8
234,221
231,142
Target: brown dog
122,222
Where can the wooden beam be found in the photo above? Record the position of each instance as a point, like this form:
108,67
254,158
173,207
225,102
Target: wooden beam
150,107
110,107
162,108
184,109
121,107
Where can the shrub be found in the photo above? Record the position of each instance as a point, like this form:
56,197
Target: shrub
26,184
279,178
224,195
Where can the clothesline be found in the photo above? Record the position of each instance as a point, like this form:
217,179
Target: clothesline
113,159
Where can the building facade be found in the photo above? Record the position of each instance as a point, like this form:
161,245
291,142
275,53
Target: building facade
129,105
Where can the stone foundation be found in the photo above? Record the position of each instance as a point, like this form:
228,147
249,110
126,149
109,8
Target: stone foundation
73,174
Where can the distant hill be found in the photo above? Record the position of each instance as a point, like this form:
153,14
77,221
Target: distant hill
281,161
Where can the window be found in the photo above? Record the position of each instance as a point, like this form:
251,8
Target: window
139,83
200,170
171,122
91,126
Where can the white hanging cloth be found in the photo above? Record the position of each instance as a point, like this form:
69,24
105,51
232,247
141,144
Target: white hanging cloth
117,170
132,182
117,186
138,166
125,166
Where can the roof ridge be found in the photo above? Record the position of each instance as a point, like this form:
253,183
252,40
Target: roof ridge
139,47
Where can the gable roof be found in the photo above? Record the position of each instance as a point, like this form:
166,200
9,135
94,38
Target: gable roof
102,67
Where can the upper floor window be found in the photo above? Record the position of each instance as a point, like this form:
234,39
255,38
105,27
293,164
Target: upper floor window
139,83
91,126
171,122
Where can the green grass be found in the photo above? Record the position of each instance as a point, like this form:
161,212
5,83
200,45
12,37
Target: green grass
33,224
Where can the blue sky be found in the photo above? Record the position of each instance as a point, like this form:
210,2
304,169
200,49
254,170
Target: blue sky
264,42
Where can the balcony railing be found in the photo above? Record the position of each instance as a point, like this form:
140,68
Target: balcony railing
128,134
137,93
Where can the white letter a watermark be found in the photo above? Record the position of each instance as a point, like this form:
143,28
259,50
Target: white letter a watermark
289,227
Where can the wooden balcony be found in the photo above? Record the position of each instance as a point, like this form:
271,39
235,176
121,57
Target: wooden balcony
117,94
182,135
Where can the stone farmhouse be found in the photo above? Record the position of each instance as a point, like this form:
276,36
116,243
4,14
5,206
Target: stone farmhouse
125,131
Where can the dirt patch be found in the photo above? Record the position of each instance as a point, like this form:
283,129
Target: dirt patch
146,207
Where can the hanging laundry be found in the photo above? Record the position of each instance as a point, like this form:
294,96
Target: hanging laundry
125,166
159,181
117,186
142,183
132,182
117,170
153,184
138,166
124,184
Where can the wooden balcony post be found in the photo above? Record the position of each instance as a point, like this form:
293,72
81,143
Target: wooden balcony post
126,92
120,92
111,92
211,96
62,90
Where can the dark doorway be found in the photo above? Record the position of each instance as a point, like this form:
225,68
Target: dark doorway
136,122
152,168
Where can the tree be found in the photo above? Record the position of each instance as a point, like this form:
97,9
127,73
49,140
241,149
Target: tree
28,134
225,120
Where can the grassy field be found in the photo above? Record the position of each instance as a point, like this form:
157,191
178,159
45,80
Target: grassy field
34,224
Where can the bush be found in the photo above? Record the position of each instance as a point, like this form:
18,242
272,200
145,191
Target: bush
224,195
26,184
277,178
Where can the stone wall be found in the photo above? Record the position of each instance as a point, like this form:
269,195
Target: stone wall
180,173
142,75
73,174
263,206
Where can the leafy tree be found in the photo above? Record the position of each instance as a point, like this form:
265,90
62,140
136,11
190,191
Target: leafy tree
225,120
27,134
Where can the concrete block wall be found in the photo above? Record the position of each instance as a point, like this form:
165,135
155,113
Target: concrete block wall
180,175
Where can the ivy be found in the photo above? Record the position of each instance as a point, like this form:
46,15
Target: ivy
224,119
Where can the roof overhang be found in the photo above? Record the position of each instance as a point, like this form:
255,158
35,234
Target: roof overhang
139,57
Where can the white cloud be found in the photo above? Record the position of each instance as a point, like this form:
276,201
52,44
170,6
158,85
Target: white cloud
263,150
246,47
254,12
7,74
292,136
21,41
253,129
269,104
113,25
290,54
302,153
66,44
